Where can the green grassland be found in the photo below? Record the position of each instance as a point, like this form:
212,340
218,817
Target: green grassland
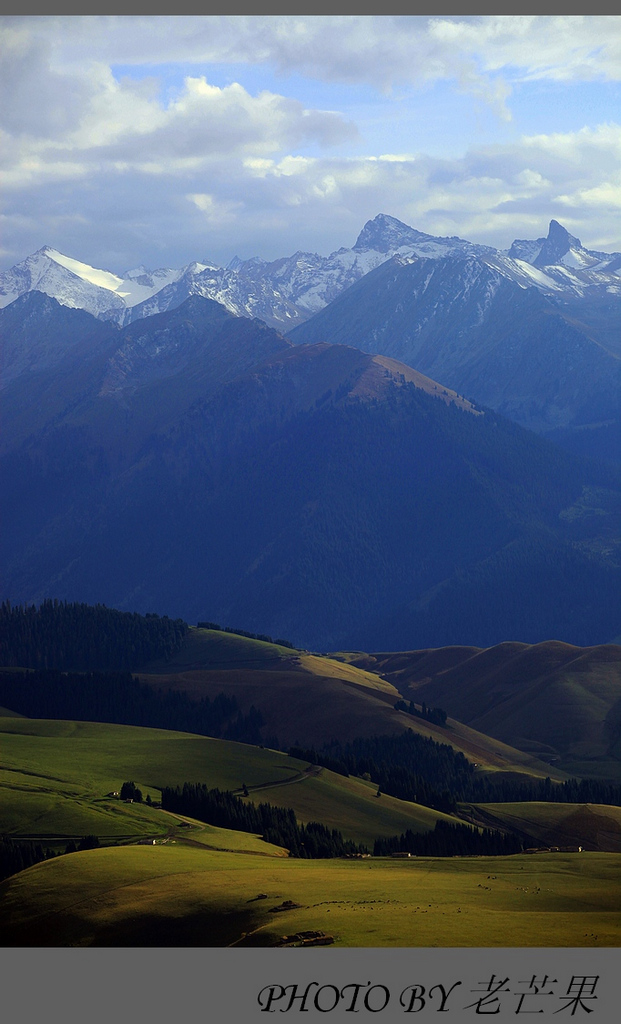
181,896
55,778
351,806
198,885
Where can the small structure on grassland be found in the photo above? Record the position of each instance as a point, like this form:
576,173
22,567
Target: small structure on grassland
554,849
285,905
308,938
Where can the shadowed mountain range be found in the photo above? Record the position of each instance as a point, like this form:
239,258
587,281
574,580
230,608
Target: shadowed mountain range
202,464
548,360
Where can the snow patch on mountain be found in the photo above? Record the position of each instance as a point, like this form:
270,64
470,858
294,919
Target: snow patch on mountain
528,275
100,278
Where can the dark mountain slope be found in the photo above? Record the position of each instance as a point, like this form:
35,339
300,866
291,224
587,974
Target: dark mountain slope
532,588
49,358
69,430
37,333
313,492
192,349
512,348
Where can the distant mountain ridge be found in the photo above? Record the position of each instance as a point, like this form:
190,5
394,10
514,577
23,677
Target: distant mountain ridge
533,332
464,322
286,291
538,342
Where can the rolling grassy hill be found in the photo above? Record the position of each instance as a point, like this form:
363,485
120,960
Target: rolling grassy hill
557,701
198,885
56,776
181,896
214,648
592,826
310,699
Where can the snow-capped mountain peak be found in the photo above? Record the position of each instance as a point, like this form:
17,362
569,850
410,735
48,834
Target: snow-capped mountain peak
559,263
559,248
100,278
389,236
79,285
287,291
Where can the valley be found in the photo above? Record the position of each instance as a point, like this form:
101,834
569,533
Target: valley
396,467
158,877
310,516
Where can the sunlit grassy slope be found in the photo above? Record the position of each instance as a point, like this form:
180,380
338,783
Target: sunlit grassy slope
310,699
55,778
205,648
178,896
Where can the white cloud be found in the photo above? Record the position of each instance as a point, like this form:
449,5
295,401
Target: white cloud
216,212
380,49
123,126
564,47
532,180
601,142
37,100
272,207
604,196
93,159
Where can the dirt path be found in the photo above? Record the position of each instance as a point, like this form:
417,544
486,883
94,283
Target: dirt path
311,772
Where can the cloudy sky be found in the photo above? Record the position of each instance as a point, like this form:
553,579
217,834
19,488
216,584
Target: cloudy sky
160,140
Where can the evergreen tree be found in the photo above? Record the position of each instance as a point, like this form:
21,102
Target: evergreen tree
130,791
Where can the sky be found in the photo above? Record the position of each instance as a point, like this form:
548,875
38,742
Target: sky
129,140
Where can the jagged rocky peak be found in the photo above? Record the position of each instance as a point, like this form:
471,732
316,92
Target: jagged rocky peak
545,252
208,263
526,249
45,250
38,258
385,233
238,262
558,242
